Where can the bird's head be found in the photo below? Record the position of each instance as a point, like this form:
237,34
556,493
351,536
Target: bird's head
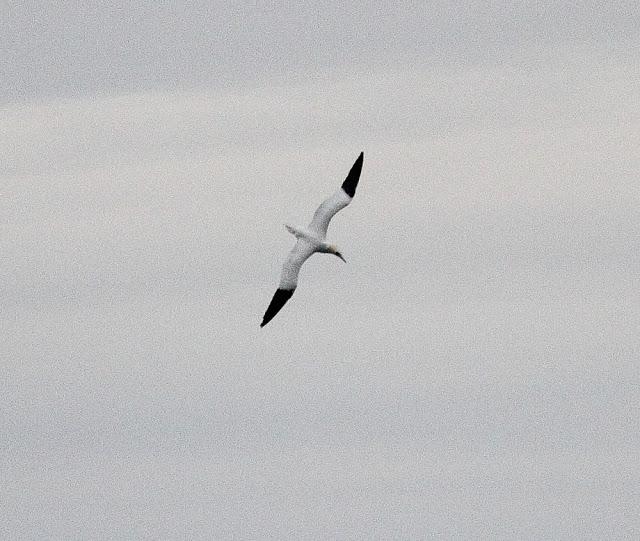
334,250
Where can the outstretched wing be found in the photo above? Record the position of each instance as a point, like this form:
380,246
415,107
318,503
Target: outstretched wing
289,278
340,199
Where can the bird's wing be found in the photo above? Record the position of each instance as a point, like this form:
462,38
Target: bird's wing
340,199
289,278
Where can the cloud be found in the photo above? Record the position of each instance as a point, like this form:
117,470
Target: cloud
469,372
60,50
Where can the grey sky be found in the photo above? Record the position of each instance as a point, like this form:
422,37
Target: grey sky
472,372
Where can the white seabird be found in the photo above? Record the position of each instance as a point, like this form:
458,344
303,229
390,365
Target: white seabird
312,240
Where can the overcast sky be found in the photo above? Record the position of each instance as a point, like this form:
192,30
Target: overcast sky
471,373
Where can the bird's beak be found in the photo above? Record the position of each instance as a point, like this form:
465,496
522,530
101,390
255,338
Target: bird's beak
340,256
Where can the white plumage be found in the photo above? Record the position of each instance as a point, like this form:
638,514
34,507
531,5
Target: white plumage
327,210
312,240
302,251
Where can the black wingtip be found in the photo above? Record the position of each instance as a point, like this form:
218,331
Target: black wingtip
280,298
351,182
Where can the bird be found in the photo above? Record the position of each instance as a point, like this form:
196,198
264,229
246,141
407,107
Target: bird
312,239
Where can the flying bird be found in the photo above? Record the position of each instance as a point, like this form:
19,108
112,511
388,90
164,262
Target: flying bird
312,240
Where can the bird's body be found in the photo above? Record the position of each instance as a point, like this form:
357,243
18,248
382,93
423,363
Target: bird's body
312,239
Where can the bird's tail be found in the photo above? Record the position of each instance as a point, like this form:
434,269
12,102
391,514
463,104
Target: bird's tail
293,231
